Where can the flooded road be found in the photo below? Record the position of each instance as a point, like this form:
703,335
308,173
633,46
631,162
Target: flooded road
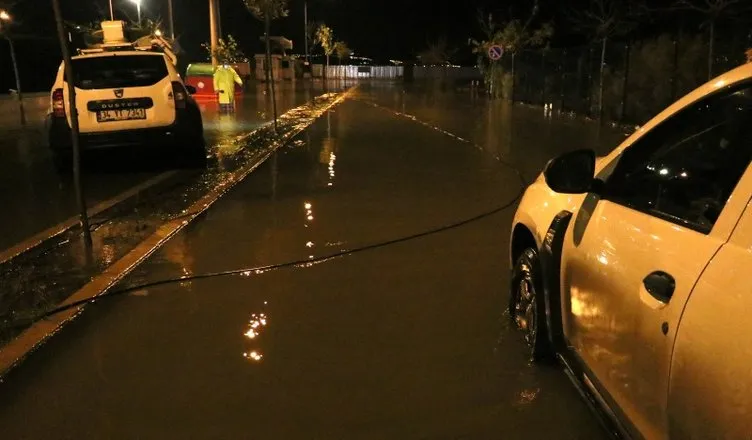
42,197
407,341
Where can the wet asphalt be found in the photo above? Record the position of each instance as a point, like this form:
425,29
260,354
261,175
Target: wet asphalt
42,197
407,341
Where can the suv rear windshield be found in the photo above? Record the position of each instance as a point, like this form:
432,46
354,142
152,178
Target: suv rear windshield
118,71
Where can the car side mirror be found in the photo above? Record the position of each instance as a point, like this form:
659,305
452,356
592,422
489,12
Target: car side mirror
191,89
571,173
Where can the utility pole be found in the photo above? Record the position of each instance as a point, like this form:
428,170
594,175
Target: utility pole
4,16
112,12
214,39
305,33
171,21
219,19
81,201
18,80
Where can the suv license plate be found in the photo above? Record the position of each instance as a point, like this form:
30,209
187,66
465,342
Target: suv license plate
121,115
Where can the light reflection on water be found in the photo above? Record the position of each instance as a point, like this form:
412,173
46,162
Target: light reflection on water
255,328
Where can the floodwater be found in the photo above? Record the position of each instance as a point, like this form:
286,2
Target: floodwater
41,197
407,340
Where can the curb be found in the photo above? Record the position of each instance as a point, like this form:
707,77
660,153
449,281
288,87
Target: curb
52,232
16,351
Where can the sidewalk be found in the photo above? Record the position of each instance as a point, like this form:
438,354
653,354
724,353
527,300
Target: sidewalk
124,234
406,340
41,198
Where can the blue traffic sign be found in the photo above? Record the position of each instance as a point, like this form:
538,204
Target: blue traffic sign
495,52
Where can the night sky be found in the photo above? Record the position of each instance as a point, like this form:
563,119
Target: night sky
380,29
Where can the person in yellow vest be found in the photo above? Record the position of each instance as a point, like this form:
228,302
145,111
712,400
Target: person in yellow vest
225,78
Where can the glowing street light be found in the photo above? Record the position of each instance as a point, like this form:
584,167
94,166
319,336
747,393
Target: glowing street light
4,16
138,8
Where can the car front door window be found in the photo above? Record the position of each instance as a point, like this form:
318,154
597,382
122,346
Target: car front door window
685,169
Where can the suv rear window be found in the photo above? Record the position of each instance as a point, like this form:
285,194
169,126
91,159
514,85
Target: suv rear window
118,71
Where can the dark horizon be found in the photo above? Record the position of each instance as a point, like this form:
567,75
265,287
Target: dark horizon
382,30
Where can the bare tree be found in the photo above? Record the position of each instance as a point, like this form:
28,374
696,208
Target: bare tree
602,20
266,11
713,11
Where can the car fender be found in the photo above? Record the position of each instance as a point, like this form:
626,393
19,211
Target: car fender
549,255
538,208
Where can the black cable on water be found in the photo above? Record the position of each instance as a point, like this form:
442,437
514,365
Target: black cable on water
298,263
261,269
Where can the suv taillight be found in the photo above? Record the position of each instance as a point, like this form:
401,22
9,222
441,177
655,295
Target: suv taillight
180,94
58,103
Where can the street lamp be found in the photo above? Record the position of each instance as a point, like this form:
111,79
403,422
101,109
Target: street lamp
5,18
171,21
138,8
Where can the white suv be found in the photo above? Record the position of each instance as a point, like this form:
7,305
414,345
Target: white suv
126,98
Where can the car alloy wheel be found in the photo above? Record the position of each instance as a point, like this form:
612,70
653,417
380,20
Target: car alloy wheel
525,309
526,304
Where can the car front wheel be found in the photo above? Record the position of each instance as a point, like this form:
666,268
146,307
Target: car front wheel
527,306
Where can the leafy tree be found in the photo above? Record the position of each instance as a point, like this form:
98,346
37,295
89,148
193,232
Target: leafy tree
266,11
227,51
342,51
311,28
437,53
325,38
513,36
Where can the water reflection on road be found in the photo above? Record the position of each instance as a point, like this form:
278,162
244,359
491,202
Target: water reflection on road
43,198
404,341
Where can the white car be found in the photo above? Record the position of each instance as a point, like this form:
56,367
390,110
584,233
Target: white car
634,270
126,97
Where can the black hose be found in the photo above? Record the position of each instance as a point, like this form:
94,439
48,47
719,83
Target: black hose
311,261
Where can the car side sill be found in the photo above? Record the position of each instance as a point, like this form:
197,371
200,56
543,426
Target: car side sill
550,255
595,401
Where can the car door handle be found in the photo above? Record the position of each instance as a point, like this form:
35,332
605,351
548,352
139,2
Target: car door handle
660,285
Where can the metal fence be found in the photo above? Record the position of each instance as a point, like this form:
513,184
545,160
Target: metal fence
351,72
639,79
394,72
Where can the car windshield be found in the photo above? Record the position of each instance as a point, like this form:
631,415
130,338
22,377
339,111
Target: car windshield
118,71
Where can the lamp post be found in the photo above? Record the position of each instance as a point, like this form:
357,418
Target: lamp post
138,8
6,18
171,21
213,34
305,35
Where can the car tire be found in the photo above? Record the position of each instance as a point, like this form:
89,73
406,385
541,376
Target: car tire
527,305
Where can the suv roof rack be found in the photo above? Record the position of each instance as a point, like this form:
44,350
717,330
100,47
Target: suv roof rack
113,36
